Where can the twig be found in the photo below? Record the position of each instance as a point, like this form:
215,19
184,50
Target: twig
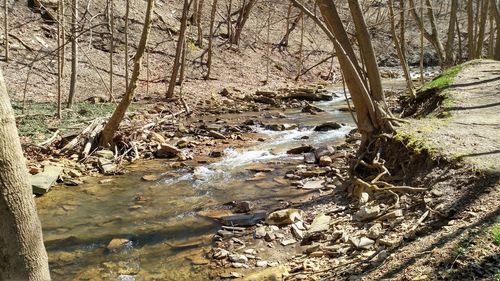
49,140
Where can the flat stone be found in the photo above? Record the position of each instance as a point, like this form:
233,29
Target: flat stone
375,231
300,149
219,253
239,265
42,182
244,220
325,161
363,243
243,207
108,167
261,264
288,242
325,150
368,212
238,258
309,158
167,151
314,184
150,177
107,154
284,217
320,223
216,135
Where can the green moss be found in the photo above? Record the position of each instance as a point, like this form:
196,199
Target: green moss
418,145
444,80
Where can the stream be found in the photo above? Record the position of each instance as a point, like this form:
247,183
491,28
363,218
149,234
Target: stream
161,219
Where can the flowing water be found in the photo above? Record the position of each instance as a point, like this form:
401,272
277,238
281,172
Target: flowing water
161,218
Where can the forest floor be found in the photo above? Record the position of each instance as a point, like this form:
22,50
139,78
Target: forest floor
449,232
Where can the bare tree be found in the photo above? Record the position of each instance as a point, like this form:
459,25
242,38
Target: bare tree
210,39
74,52
6,28
111,15
21,243
179,50
60,30
450,42
127,11
115,119
243,16
482,28
496,13
198,14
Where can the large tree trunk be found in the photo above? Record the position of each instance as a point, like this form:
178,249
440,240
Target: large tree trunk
372,113
111,46
74,53
178,50
471,46
22,254
115,120
6,28
482,28
127,12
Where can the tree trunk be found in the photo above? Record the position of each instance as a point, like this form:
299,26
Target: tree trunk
268,42
399,51
178,51
482,28
111,46
211,38
433,36
372,114
198,21
242,19
450,41
59,59
229,21
6,28
115,120
182,71
284,41
127,12
496,12
74,53
471,46
22,252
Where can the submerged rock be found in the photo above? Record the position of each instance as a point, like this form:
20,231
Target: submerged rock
118,244
244,220
300,149
328,126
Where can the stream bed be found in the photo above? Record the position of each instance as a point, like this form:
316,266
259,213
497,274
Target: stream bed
161,219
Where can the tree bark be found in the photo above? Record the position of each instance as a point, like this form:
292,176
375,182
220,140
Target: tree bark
471,46
111,46
115,120
399,51
372,114
179,50
127,12
482,28
22,252
6,28
199,13
450,41
210,39
74,53
496,12
242,19
59,59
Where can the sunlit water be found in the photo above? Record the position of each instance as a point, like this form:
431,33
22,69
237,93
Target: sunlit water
161,218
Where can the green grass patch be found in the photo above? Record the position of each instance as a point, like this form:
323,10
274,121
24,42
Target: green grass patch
444,80
39,120
495,232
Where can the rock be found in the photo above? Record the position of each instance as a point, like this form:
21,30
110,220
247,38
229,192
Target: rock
288,242
258,176
269,94
300,149
391,215
321,151
244,220
297,232
368,212
284,217
106,154
314,184
231,275
309,108
72,182
309,158
239,265
328,126
272,273
389,242
216,154
168,151
363,198
260,232
308,94
42,182
325,161
118,244
216,135
238,258
362,243
74,173
219,253
150,177
269,237
382,256
157,137
264,100
215,214
375,231
320,223
311,237
261,264
108,167
243,207
281,127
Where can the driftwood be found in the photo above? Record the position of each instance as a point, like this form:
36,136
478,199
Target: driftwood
82,136
49,140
